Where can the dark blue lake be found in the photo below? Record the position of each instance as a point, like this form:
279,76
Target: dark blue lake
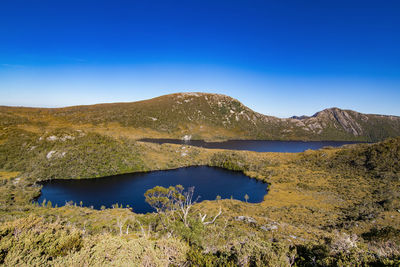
129,189
255,145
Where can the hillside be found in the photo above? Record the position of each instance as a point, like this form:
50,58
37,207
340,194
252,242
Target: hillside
203,116
332,207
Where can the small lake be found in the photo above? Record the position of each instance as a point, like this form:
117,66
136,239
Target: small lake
255,145
209,182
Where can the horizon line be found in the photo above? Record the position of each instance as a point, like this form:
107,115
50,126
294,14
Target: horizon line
130,102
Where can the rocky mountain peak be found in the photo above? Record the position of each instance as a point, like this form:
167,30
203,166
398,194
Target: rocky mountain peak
344,118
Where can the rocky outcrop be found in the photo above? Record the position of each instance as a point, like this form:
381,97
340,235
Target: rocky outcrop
213,117
341,118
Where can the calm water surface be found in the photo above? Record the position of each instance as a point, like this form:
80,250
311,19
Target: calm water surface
255,145
130,188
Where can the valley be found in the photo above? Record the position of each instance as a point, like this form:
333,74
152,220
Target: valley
335,204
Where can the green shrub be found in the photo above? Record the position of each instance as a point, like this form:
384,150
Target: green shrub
31,240
383,234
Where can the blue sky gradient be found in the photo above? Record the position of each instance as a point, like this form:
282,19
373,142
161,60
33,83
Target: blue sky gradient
280,58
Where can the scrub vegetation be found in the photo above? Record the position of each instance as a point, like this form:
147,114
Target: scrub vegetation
203,116
331,207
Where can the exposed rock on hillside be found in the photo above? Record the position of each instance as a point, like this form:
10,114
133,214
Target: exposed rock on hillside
207,116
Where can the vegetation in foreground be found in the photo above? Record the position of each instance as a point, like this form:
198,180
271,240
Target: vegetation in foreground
332,207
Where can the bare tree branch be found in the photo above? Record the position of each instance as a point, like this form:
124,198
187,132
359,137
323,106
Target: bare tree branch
213,220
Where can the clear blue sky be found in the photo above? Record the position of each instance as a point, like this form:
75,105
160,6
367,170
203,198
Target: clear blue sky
280,58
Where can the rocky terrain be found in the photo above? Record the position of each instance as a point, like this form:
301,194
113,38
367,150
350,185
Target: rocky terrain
204,116
330,207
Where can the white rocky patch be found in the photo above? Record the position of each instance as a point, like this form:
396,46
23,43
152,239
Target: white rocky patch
50,154
52,138
270,227
190,94
67,137
299,123
186,137
81,133
64,138
314,126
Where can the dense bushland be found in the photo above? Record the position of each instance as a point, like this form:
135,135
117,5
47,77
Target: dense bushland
68,154
333,207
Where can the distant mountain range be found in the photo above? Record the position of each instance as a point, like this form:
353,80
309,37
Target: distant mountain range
203,116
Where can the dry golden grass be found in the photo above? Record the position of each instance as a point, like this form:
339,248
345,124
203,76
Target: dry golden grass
303,199
4,175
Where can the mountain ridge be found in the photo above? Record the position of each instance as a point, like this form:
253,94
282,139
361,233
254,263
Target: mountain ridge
301,117
210,117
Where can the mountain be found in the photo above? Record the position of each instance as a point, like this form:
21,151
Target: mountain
204,116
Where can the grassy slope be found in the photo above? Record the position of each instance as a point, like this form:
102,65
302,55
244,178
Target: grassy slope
315,198
204,116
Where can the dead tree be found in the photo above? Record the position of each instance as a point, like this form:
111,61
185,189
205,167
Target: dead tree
185,203
120,224
203,217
